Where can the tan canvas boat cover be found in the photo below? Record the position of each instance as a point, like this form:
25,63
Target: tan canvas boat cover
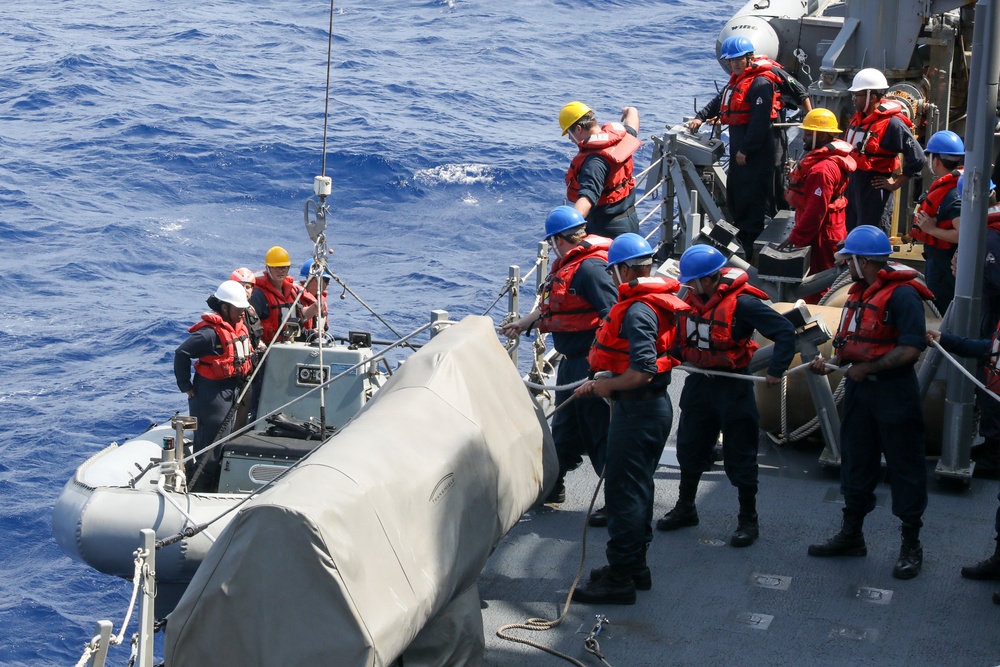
347,557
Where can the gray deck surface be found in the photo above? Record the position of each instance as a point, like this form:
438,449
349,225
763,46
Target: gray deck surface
768,604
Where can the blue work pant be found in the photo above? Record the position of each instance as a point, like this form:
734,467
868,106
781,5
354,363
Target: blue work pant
710,405
582,426
865,202
638,434
211,403
884,418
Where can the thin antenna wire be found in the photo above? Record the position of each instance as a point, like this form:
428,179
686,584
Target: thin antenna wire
326,108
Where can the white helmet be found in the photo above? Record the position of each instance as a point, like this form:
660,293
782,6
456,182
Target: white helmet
233,293
869,79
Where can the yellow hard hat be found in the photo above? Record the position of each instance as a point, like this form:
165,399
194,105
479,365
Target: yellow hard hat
820,120
571,113
277,256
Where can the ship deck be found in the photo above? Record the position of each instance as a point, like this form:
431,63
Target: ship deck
767,604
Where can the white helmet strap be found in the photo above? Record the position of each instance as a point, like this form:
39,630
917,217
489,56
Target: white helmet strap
555,246
618,275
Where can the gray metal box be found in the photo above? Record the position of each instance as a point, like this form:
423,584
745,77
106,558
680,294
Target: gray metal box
243,474
701,149
252,460
293,369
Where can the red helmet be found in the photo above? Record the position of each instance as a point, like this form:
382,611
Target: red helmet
243,275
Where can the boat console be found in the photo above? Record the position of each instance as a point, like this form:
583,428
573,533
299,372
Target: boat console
292,375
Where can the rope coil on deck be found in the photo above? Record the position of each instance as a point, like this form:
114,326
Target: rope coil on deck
543,624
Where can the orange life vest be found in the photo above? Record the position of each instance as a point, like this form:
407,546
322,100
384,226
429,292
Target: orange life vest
236,358
864,335
929,204
278,303
308,299
610,351
707,329
837,151
865,133
615,145
562,309
734,108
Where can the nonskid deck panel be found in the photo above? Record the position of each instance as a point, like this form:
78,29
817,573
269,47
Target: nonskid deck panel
770,603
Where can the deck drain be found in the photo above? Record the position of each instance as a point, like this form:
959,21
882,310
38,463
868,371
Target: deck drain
754,620
874,595
854,634
774,582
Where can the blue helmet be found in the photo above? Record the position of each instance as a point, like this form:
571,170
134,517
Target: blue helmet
945,142
628,246
561,219
308,266
865,241
735,46
699,261
961,182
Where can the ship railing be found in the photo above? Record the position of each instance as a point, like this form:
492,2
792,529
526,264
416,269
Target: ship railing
544,359
95,652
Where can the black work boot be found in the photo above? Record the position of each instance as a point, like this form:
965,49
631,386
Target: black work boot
558,493
684,513
614,587
598,518
850,541
911,553
642,578
746,533
996,598
747,530
987,569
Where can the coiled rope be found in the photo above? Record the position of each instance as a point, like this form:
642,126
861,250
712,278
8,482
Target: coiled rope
543,624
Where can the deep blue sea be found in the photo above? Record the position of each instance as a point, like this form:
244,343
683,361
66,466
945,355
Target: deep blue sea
149,148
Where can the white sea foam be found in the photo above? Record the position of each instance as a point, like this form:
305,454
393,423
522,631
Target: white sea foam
460,174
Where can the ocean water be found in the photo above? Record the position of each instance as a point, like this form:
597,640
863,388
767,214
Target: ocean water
149,148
